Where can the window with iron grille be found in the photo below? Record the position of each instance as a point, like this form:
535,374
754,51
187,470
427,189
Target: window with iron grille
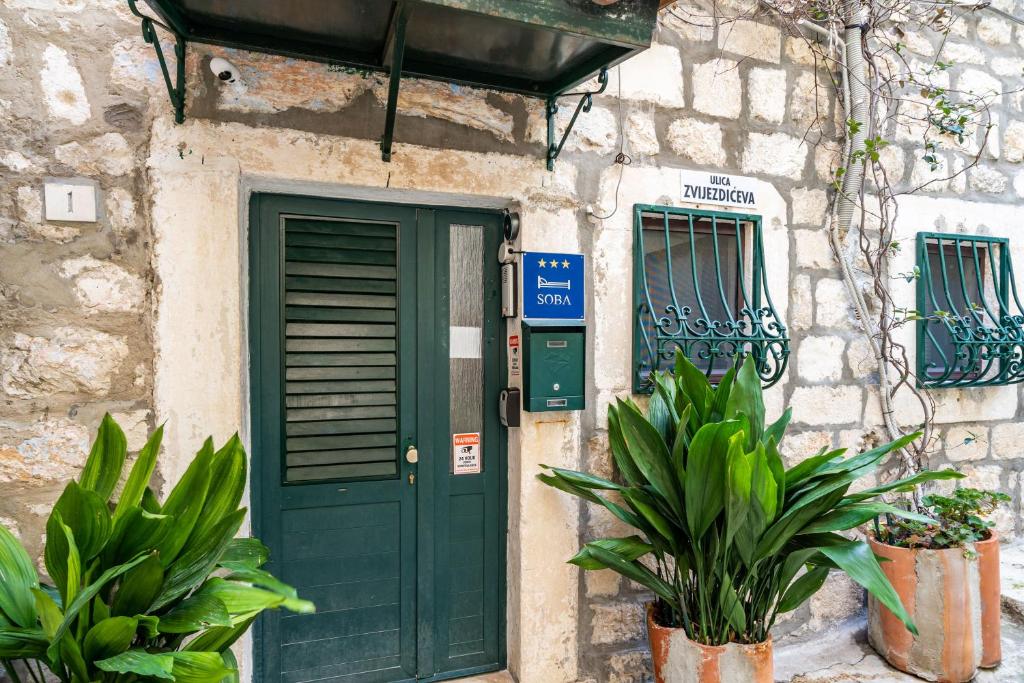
970,328
699,285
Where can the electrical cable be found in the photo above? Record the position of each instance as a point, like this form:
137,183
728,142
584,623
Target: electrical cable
621,158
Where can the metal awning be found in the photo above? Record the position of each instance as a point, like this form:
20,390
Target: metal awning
538,48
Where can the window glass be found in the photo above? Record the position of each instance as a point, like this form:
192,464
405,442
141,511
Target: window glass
691,287
955,295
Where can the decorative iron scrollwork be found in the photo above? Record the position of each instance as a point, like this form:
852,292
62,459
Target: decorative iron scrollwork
583,106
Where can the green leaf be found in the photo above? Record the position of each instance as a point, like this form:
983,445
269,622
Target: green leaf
199,611
636,571
199,667
248,551
628,548
777,429
746,399
220,638
103,468
856,559
232,664
23,643
720,399
855,514
650,453
241,599
732,608
142,472
88,593
185,503
706,474
695,386
141,663
138,588
17,579
86,513
198,560
227,483
109,637
257,577
807,468
802,589
737,494
908,484
50,616
620,453
137,531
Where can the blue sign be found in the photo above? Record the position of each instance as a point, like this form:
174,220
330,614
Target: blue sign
553,286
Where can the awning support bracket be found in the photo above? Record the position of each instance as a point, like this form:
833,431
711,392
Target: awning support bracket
584,105
175,92
395,79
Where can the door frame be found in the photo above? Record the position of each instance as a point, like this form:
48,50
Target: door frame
428,390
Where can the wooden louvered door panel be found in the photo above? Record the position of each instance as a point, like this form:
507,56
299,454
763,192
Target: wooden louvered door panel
333,336
374,328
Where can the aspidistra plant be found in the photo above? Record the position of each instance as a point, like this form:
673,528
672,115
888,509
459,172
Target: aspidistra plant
141,589
724,529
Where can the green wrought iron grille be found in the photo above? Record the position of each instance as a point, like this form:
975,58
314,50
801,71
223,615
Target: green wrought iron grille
970,331
699,285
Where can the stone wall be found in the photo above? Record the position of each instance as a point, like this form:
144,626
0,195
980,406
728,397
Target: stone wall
118,315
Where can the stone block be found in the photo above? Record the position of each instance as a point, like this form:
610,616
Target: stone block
41,452
798,446
1018,183
601,583
71,360
1008,440
641,136
978,82
809,206
630,667
688,21
6,47
994,30
751,40
827,405
62,86
1007,66
121,210
1013,142
698,141
108,153
655,75
813,249
102,286
832,304
826,160
810,100
986,179
617,622
962,53
799,51
981,477
764,89
966,442
776,154
860,358
14,160
820,358
716,88
801,304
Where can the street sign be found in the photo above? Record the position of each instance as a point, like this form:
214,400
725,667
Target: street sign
553,286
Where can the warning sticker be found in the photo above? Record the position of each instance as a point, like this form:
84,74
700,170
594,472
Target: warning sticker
513,355
466,453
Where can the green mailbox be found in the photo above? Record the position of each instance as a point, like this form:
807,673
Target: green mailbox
554,366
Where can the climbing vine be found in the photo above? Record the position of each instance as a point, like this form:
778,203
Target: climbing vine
886,63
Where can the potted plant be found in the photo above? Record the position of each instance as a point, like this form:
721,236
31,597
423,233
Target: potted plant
142,589
723,528
946,573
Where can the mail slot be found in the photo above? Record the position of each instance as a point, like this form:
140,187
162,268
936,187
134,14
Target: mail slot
554,366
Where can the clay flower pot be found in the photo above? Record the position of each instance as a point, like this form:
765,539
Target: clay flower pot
954,602
677,659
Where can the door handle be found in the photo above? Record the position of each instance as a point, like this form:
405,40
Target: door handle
412,456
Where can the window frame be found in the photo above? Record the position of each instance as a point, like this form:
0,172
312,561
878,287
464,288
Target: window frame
989,347
766,336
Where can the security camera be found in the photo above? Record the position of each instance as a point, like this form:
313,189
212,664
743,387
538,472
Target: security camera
224,70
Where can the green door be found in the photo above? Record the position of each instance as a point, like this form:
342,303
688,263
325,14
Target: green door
378,460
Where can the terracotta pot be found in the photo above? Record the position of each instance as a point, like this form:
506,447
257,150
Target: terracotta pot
677,659
954,602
